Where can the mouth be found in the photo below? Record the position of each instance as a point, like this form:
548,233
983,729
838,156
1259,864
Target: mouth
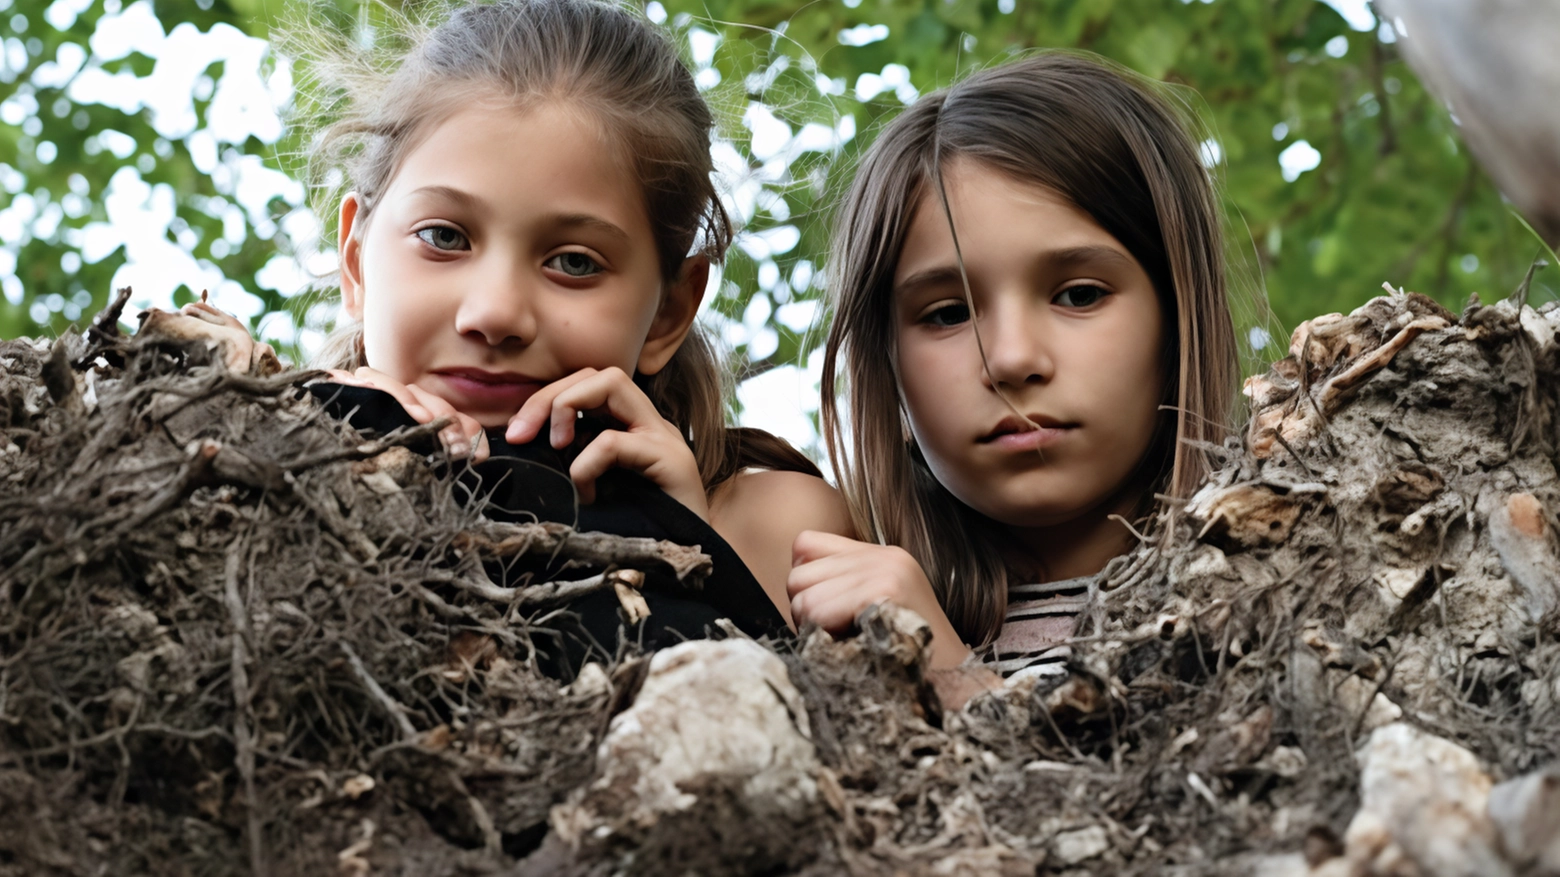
1012,433
482,376
476,391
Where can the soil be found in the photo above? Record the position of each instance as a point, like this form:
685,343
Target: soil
238,638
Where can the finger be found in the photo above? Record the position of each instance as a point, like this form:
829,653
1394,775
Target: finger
613,391
459,436
203,311
816,572
810,545
659,457
368,377
537,410
834,612
342,376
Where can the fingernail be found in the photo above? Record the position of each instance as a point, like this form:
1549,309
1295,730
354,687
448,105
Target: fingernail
557,436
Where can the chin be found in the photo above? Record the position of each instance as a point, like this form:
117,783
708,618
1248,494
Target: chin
1037,502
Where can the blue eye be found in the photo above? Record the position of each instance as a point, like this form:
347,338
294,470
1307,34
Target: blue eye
951,314
574,264
1079,296
442,237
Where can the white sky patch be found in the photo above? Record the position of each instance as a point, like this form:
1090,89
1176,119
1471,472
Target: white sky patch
769,242
63,13
798,316
781,400
701,46
864,34
770,137
1297,158
138,219
895,78
1210,152
1355,12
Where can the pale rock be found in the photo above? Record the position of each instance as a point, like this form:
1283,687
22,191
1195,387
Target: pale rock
1519,530
1526,813
1422,809
716,717
1080,844
1379,711
1281,865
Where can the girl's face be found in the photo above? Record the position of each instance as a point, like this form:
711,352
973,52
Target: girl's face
1072,331
512,248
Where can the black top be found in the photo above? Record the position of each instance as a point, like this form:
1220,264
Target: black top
530,482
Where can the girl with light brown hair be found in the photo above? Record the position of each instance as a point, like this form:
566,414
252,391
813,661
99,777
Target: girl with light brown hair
527,226
1032,342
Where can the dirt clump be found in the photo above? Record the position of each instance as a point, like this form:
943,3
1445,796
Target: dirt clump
239,638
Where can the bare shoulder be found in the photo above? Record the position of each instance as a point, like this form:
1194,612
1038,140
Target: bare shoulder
760,514
778,501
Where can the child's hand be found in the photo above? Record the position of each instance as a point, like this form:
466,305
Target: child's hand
239,350
464,436
647,444
833,578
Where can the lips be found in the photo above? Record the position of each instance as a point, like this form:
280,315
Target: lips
475,389
1014,434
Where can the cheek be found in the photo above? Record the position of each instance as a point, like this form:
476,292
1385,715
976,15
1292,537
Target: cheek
1134,380
938,388
605,331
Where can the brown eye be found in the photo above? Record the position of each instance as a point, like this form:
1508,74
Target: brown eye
1079,296
574,264
442,237
948,315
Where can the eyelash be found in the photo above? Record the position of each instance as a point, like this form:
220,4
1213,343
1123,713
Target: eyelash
931,317
426,236
599,268
1103,294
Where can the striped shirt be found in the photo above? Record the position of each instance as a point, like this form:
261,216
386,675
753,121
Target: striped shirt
1040,618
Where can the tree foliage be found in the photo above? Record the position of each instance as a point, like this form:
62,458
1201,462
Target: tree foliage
1374,186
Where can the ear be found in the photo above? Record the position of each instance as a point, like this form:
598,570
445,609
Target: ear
675,318
350,249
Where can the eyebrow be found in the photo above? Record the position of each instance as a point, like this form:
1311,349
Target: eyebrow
465,199
929,277
1071,257
585,220
1087,254
567,220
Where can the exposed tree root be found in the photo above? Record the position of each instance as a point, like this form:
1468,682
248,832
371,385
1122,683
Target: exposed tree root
235,638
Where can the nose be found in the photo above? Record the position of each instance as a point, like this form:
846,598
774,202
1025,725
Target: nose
1018,351
498,309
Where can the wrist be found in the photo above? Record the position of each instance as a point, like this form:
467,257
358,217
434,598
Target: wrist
947,649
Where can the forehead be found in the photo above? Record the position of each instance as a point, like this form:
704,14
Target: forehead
508,156
985,199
